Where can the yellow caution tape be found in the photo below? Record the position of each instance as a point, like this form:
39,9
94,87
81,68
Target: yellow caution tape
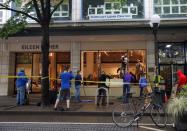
47,77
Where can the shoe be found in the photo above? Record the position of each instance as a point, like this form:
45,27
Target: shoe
68,109
103,104
55,109
62,109
97,104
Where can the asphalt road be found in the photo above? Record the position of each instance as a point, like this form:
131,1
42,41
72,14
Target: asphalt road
48,126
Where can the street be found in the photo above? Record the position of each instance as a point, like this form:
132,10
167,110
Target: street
58,126
61,122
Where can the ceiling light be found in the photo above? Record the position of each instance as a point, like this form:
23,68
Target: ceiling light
168,46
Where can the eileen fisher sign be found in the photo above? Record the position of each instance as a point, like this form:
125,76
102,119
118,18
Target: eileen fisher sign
36,47
110,17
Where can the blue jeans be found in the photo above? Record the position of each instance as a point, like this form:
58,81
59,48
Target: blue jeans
126,92
77,93
20,99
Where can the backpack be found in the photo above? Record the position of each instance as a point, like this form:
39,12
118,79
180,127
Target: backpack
143,82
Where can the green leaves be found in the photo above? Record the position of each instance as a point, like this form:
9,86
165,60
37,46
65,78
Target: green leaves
12,26
176,107
121,1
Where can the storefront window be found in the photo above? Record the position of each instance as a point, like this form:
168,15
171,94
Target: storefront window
112,9
24,60
171,53
170,8
63,59
109,61
62,13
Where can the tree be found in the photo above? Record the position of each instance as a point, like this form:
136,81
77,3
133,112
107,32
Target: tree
44,11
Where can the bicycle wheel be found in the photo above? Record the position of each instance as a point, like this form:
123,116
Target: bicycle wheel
158,115
123,115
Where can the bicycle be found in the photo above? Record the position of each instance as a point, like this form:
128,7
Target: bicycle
125,115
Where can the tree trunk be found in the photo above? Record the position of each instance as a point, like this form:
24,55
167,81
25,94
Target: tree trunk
45,65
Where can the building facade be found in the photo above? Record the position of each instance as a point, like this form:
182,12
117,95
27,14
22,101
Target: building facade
91,36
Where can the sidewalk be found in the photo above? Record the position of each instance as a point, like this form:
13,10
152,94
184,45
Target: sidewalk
8,105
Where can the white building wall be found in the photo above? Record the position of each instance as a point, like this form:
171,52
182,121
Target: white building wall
4,68
148,7
76,10
6,15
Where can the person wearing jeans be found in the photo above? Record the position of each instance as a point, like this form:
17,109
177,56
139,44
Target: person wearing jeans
21,87
78,79
127,78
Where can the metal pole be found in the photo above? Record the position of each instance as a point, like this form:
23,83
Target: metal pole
155,29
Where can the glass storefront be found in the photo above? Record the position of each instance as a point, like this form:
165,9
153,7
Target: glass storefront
109,61
31,62
113,9
172,57
61,14
170,8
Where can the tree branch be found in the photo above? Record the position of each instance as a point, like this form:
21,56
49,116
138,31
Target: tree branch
42,5
3,7
56,7
38,13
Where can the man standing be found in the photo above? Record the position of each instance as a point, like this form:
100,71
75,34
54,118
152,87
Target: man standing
78,79
21,87
65,88
102,92
127,78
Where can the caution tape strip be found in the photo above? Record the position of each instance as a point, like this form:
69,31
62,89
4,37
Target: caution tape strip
47,77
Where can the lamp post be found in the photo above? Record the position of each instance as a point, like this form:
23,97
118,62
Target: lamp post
154,23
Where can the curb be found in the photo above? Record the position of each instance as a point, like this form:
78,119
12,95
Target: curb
90,113
78,113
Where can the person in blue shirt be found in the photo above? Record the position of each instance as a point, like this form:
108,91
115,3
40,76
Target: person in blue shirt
127,78
64,92
142,84
78,79
21,87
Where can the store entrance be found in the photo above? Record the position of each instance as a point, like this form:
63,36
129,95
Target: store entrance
169,74
31,62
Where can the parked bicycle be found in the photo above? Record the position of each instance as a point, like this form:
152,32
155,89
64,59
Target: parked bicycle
125,115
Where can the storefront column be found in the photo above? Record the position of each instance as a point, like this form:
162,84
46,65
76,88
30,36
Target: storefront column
76,10
4,68
75,56
150,58
148,6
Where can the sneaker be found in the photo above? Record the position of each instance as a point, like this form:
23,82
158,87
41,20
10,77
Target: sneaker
68,109
62,109
55,109
103,104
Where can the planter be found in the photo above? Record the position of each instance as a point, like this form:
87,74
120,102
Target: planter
181,124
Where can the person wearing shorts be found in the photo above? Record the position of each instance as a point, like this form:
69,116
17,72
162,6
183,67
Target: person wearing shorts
64,93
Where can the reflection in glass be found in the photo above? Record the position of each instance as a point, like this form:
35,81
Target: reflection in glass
172,54
183,9
183,1
99,10
175,9
166,2
166,10
158,2
91,11
158,10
